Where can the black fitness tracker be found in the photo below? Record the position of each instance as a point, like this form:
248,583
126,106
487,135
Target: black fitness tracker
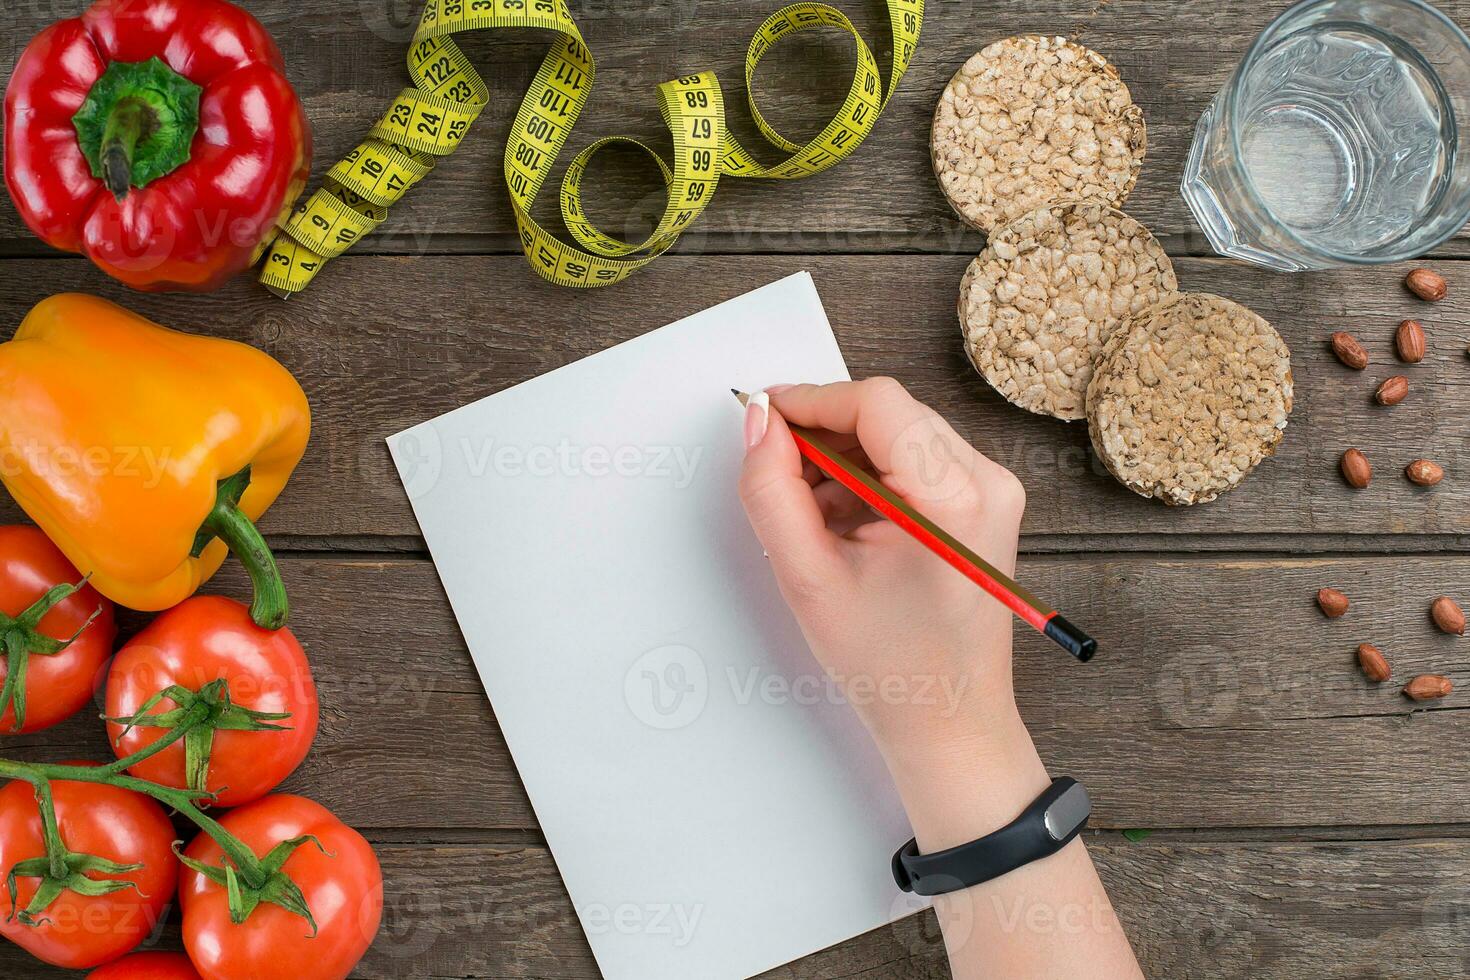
1044,828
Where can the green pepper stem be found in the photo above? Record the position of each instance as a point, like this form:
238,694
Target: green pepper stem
129,121
137,123
228,522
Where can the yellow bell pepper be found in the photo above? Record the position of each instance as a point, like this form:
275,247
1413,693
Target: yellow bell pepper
147,454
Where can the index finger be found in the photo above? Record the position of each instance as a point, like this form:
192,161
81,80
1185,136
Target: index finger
877,410
925,460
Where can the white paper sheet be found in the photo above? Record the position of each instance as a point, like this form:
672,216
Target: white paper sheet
713,806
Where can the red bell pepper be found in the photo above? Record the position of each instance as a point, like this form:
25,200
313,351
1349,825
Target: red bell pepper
158,137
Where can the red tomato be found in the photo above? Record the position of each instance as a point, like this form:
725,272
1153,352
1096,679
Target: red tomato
343,888
203,639
148,966
58,684
77,931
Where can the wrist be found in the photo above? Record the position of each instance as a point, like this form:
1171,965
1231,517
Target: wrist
943,714
969,782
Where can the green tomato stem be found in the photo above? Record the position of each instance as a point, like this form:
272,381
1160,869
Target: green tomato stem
37,773
196,714
51,829
22,639
250,879
40,775
17,658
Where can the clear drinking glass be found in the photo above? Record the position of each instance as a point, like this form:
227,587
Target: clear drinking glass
1338,140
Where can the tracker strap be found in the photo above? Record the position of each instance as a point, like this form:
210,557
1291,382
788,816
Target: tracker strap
1045,827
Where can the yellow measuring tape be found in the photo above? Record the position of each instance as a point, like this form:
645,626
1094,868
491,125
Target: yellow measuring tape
430,118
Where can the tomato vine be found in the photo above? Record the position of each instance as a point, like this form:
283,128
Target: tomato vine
249,879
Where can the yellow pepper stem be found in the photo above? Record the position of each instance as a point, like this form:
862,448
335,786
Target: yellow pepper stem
228,522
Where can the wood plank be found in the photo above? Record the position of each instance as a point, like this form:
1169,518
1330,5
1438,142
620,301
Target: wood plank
1209,665
346,59
383,343
1272,911
1370,909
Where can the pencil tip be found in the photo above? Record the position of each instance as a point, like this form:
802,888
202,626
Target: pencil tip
735,392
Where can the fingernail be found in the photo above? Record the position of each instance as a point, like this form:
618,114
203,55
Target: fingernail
777,389
757,417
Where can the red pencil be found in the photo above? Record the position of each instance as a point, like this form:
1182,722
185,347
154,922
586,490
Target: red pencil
1021,602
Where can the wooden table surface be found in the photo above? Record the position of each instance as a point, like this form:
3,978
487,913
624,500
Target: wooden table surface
1306,824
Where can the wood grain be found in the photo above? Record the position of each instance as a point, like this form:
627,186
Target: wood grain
346,59
1223,708
1214,666
1228,910
1380,909
384,343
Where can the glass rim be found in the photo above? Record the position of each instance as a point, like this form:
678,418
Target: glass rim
1252,54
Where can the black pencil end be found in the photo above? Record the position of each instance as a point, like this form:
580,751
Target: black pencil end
1071,639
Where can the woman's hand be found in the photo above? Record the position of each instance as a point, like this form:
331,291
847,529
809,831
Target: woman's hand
923,653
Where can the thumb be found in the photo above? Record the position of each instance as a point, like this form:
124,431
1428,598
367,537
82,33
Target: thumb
782,508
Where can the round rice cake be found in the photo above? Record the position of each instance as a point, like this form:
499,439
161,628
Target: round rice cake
1050,288
1030,120
1189,397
